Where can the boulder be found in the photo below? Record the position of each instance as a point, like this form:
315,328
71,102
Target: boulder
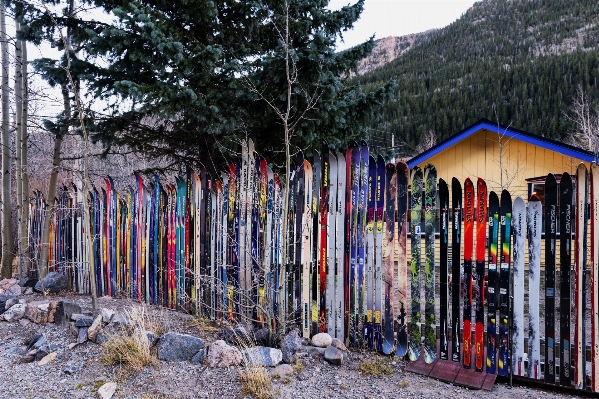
290,344
47,359
53,282
33,341
92,331
10,302
52,308
262,336
45,350
220,354
28,282
322,340
178,347
82,337
107,390
37,312
16,312
337,343
7,283
83,321
313,350
64,311
241,334
121,320
263,356
13,290
3,299
333,355
107,315
199,357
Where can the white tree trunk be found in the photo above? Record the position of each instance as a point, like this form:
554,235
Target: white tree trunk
7,236
25,261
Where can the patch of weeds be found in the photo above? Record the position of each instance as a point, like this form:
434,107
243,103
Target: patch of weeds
376,367
130,347
343,386
79,386
203,323
256,381
404,384
299,366
98,384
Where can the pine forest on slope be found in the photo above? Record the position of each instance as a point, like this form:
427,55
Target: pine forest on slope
515,62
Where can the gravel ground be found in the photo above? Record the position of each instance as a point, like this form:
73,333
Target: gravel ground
315,378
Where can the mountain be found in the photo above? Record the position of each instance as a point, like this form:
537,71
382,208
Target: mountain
518,62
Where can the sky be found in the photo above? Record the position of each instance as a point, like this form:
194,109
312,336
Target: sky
400,17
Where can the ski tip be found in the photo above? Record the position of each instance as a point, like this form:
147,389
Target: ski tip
533,198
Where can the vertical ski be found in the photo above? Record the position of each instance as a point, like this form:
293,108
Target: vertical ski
430,213
594,215
415,331
481,235
550,241
505,220
402,261
580,256
519,227
456,261
444,240
387,187
340,248
369,283
467,279
534,273
566,218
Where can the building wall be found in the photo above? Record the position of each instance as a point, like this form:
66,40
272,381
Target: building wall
502,162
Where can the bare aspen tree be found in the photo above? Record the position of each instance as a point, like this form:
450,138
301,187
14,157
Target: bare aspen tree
586,120
23,134
7,236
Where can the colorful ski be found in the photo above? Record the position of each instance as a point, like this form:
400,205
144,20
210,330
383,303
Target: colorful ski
415,342
493,211
505,220
594,216
519,227
323,258
387,187
467,279
456,269
306,248
444,240
580,256
566,219
380,187
481,235
550,241
368,332
331,226
314,284
353,289
402,261
339,249
535,220
430,213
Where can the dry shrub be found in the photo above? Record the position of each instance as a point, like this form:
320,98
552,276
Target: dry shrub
256,381
130,347
375,367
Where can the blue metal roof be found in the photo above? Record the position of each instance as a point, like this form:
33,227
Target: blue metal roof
507,131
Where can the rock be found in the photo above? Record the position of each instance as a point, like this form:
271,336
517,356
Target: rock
3,299
178,347
53,282
74,330
64,311
199,357
107,315
333,355
322,340
14,290
313,350
263,356
121,320
282,370
52,308
82,335
47,359
290,344
107,390
33,341
72,345
220,354
7,283
93,330
10,302
16,312
28,291
24,322
262,336
28,282
337,343
84,321
71,368
27,358
37,312
241,334
45,350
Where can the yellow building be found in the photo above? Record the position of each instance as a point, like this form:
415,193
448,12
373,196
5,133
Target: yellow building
506,158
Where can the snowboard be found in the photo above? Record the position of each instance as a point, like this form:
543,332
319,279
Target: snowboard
467,279
493,212
444,241
580,255
402,261
430,213
505,221
479,298
415,342
386,193
456,241
519,227
550,253
566,218
534,220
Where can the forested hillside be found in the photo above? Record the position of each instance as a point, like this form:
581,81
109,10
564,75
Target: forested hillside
516,62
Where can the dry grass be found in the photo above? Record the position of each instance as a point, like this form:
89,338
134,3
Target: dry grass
375,367
256,381
130,347
404,384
